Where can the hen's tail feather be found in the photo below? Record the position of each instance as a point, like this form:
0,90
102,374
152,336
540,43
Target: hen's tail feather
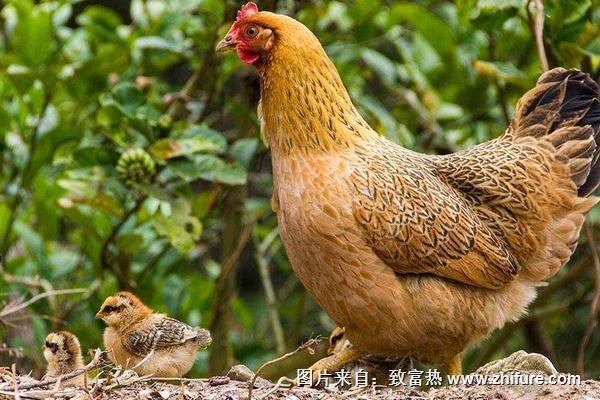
564,107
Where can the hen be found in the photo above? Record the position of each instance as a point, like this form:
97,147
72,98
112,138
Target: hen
417,255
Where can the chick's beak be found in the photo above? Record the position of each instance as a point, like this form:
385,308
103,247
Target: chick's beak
99,315
226,44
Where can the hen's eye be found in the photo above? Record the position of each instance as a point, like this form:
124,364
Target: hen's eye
251,31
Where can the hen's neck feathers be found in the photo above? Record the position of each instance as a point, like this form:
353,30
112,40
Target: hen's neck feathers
304,105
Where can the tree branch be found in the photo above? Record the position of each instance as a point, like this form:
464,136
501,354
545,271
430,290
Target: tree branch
105,258
263,260
595,304
11,309
236,234
537,26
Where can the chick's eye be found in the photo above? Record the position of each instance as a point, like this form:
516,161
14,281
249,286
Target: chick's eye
251,31
52,346
108,309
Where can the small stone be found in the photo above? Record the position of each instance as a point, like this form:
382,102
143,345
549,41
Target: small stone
520,361
218,380
241,373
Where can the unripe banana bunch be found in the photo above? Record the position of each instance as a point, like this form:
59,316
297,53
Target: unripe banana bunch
136,166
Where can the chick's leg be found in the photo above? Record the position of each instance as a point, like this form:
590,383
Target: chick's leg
455,365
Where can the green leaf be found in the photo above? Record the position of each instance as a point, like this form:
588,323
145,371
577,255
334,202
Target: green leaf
101,22
155,42
573,10
380,64
204,132
32,36
168,148
48,122
179,227
129,96
491,14
93,155
36,97
210,168
500,71
62,262
105,203
337,13
243,150
495,5
61,15
432,28
130,242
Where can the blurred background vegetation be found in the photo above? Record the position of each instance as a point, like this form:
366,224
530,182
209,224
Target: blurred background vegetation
130,158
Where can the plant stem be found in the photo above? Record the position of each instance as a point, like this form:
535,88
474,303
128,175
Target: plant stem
263,260
18,197
105,258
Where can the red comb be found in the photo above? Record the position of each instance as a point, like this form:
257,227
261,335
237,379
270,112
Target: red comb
247,10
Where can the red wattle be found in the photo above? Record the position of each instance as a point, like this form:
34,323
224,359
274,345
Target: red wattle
247,56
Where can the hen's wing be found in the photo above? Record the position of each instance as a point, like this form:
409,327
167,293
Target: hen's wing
417,223
530,185
481,216
162,333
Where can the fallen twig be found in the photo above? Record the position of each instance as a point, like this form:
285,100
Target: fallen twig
12,351
308,345
46,382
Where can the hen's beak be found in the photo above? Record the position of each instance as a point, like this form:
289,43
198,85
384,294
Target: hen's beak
226,44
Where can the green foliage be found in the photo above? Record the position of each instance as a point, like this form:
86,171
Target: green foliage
114,177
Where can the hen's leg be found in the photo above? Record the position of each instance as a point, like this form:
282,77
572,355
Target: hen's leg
336,361
454,367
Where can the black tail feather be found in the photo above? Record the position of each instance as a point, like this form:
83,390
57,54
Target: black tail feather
580,106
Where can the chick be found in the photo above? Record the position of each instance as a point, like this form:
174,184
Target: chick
149,343
378,368
62,351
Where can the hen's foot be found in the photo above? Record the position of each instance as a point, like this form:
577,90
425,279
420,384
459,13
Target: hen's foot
328,365
520,361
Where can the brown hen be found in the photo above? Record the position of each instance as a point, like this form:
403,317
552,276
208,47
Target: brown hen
417,255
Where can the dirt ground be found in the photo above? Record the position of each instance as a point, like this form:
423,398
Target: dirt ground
130,386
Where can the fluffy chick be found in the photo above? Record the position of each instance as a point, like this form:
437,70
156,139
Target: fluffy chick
149,343
378,368
62,352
